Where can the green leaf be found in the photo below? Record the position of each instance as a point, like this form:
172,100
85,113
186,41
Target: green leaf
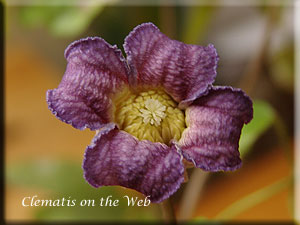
254,198
263,117
73,21
61,21
46,174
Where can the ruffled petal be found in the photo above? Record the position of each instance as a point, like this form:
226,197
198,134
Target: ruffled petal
95,71
117,158
185,71
214,123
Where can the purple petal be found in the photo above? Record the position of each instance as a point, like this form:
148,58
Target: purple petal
185,71
117,158
95,71
214,123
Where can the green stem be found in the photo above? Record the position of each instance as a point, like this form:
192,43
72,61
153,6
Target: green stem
168,211
254,69
192,193
167,15
253,199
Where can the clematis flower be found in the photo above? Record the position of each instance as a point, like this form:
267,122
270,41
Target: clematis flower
151,111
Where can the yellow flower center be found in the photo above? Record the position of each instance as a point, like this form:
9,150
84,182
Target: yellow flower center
149,115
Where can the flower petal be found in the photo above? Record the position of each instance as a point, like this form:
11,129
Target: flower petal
117,158
95,71
214,123
185,71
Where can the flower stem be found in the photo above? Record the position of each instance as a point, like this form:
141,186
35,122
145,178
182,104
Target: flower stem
284,139
168,211
191,194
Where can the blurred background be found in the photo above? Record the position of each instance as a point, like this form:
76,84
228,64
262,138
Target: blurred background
43,156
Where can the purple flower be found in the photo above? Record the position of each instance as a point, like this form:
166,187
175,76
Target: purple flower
151,111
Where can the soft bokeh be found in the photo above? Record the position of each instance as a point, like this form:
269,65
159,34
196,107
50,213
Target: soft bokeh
43,156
